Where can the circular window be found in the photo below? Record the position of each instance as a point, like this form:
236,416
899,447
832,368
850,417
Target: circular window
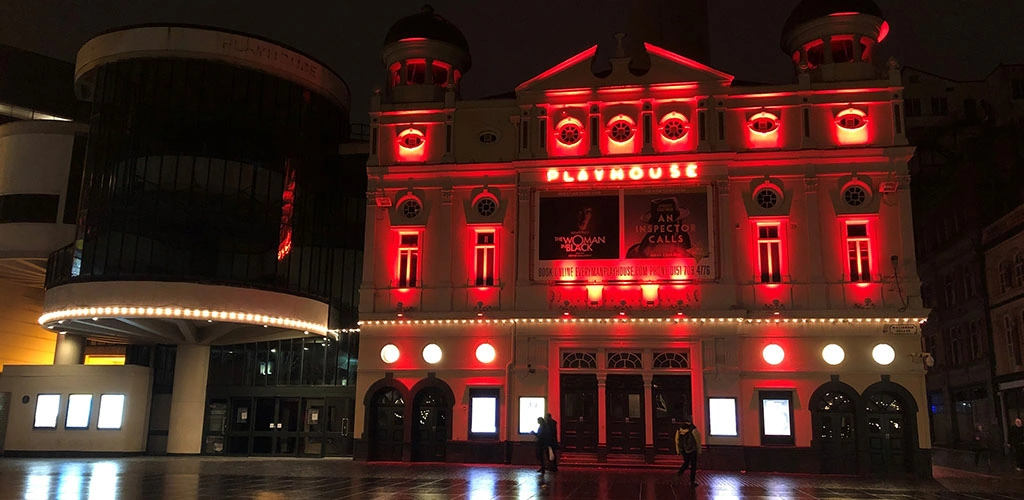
432,353
389,353
486,206
852,119
883,354
410,139
773,354
855,195
767,198
488,137
833,354
674,129
411,209
569,134
620,131
763,123
485,353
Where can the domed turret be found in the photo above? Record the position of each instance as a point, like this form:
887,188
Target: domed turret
425,54
834,39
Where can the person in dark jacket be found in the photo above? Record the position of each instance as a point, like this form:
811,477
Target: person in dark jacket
552,428
1017,442
542,443
688,445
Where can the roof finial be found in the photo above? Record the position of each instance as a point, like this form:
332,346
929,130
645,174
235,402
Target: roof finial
620,51
427,9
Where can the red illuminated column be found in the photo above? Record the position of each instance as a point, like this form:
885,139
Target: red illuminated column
446,256
647,128
595,130
602,417
522,241
812,242
828,49
649,415
702,125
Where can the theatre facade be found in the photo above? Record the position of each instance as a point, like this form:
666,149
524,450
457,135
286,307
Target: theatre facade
633,239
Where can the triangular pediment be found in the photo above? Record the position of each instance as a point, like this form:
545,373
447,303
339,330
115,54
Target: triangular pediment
665,67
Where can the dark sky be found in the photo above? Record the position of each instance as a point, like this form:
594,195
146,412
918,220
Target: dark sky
511,41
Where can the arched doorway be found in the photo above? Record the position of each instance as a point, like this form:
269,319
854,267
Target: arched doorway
431,425
834,427
386,423
890,413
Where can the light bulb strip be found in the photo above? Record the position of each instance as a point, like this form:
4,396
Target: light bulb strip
563,320
183,313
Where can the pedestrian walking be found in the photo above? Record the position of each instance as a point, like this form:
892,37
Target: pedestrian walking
1017,442
688,445
542,443
552,428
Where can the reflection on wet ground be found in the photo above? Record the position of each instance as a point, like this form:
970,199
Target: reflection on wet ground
293,479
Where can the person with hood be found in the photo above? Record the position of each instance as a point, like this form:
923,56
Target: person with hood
688,445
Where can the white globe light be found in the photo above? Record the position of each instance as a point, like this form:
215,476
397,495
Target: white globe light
485,353
773,354
883,354
432,353
389,353
833,354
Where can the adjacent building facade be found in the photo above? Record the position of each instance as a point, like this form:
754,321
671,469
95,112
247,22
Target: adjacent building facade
653,243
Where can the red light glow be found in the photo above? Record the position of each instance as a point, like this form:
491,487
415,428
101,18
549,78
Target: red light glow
621,134
411,145
851,127
284,247
883,31
764,130
572,61
569,138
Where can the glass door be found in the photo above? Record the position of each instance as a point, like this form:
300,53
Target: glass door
314,418
239,426
579,413
625,414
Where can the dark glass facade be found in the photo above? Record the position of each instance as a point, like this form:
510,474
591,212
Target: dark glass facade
204,172
307,361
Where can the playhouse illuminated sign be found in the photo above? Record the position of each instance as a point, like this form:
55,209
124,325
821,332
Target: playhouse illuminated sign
613,174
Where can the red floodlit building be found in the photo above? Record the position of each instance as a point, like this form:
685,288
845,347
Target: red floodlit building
627,242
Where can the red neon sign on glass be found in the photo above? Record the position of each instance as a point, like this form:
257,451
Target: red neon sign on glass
613,174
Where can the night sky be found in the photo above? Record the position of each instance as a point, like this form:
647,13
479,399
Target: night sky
511,42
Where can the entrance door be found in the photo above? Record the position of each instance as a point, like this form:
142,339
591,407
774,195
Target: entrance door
579,413
625,413
275,426
313,420
430,432
887,435
672,403
834,431
387,425
239,427
338,438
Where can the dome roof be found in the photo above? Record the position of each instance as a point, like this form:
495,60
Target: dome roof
808,10
427,24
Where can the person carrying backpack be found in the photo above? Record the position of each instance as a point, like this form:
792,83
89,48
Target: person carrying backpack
688,445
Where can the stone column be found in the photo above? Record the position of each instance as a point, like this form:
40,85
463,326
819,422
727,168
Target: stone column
188,400
70,350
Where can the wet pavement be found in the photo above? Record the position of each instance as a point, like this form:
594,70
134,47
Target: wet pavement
188,478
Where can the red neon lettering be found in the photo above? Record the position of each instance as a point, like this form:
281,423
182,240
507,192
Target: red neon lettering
654,172
691,170
566,177
636,173
582,176
599,174
552,175
616,175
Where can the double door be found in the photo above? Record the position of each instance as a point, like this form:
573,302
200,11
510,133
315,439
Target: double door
625,414
579,413
887,451
287,426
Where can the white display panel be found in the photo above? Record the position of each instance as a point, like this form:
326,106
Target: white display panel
529,410
47,408
485,413
111,411
775,413
79,411
722,413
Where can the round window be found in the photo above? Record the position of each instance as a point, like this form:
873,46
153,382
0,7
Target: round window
620,131
486,206
488,137
411,139
855,196
763,123
766,198
674,129
411,208
569,134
